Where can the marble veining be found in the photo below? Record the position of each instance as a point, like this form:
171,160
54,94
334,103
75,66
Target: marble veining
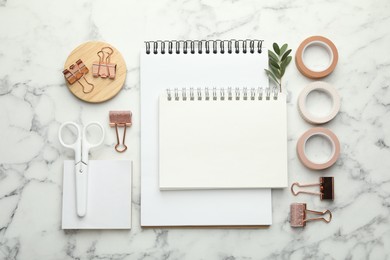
37,36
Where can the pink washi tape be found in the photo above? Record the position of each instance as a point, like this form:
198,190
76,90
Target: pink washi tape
318,86
321,132
323,42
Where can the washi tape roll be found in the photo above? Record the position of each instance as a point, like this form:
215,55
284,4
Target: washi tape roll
318,131
318,86
316,41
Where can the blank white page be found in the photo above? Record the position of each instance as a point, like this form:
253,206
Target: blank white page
195,207
109,196
221,144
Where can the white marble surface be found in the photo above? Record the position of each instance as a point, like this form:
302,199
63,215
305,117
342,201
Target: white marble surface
35,39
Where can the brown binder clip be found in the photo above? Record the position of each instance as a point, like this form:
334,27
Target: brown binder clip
326,188
120,118
104,68
298,215
75,72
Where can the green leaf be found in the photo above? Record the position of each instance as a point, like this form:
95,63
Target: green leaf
276,48
272,67
272,76
275,64
272,56
276,72
283,49
284,65
286,62
282,70
286,54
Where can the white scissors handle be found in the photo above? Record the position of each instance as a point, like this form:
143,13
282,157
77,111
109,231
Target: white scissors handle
86,146
76,146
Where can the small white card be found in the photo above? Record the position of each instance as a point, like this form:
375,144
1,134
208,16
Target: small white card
109,196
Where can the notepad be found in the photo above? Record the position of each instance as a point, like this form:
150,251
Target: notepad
193,64
109,196
222,138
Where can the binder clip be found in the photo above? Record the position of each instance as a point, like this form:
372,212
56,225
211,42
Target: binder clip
75,72
123,119
326,188
298,215
104,68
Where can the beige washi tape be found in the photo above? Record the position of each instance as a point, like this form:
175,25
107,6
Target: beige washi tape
321,132
316,41
318,86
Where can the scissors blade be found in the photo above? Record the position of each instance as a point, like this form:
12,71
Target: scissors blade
81,189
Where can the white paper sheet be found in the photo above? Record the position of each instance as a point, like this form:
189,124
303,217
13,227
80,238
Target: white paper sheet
220,144
109,196
195,207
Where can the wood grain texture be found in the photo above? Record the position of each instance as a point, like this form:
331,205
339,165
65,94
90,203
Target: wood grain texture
105,88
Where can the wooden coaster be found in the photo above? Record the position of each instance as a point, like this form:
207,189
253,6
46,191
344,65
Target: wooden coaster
105,88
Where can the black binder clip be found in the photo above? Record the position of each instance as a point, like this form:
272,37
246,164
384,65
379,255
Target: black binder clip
326,188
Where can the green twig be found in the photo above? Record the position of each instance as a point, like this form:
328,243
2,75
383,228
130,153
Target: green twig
277,63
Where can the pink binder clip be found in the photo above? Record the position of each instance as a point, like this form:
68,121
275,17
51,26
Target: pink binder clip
74,74
298,215
104,68
120,119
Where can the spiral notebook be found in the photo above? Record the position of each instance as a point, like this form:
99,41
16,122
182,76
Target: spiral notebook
196,64
227,138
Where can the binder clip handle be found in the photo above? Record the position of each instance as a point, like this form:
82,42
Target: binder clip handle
118,144
319,213
109,53
295,193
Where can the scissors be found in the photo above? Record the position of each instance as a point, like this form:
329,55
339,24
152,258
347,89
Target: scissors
81,148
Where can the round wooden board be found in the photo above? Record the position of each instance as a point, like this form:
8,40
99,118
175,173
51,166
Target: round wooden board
105,88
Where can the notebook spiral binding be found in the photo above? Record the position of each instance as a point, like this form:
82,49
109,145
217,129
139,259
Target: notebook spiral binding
191,94
204,46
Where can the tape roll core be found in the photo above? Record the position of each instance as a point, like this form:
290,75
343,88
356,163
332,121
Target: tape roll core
315,132
323,42
318,86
